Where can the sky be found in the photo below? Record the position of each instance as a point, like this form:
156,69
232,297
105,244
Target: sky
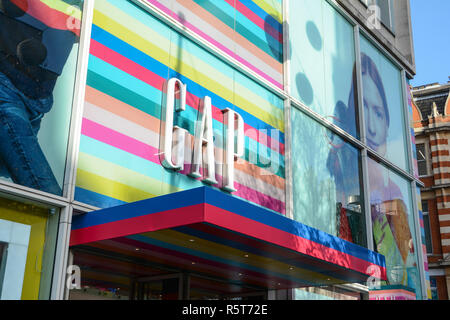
431,32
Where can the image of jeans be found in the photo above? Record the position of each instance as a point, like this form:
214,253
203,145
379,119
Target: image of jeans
21,156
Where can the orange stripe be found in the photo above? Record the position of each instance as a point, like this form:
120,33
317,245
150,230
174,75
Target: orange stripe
149,122
231,34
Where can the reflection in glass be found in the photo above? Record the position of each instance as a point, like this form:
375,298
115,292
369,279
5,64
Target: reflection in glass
36,41
393,225
383,105
326,181
323,62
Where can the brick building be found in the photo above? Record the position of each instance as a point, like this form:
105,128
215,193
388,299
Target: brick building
432,131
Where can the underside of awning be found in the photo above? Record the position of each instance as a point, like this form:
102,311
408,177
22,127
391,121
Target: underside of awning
207,232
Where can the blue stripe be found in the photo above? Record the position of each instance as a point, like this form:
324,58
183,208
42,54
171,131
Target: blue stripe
269,19
95,199
229,203
140,208
320,267
160,69
280,222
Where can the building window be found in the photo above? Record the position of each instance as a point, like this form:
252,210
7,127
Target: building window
393,225
422,159
326,183
38,58
433,287
329,87
386,14
426,225
383,104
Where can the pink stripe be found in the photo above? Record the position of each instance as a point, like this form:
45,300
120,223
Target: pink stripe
139,72
248,193
147,223
257,20
145,151
216,43
241,224
118,140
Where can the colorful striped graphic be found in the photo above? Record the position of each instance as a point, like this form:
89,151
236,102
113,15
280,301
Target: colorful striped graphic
250,31
132,55
57,14
222,234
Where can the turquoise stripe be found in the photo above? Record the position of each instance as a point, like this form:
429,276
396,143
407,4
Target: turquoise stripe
187,120
203,55
159,69
252,27
142,16
225,13
260,91
137,164
219,9
120,93
124,79
190,114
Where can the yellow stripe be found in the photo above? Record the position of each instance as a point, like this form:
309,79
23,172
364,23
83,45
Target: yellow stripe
110,188
124,175
272,7
272,117
37,219
143,43
70,10
147,44
229,253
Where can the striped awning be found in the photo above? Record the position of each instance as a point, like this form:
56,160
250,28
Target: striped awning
208,232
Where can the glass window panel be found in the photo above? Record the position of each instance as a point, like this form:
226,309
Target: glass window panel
322,62
393,225
326,181
38,55
383,105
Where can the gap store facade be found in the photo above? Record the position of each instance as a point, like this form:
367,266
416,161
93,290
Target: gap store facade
195,149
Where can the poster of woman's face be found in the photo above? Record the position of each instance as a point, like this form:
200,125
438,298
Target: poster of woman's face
383,105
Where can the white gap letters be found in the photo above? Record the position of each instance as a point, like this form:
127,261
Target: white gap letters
173,142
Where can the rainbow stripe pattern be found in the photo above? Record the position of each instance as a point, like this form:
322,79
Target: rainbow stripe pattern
132,55
250,31
214,233
56,14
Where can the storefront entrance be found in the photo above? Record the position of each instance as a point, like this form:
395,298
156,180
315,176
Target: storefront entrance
110,277
204,244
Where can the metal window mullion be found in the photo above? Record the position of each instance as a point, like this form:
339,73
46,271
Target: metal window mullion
326,123
418,233
62,251
287,114
362,133
413,185
78,100
288,160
